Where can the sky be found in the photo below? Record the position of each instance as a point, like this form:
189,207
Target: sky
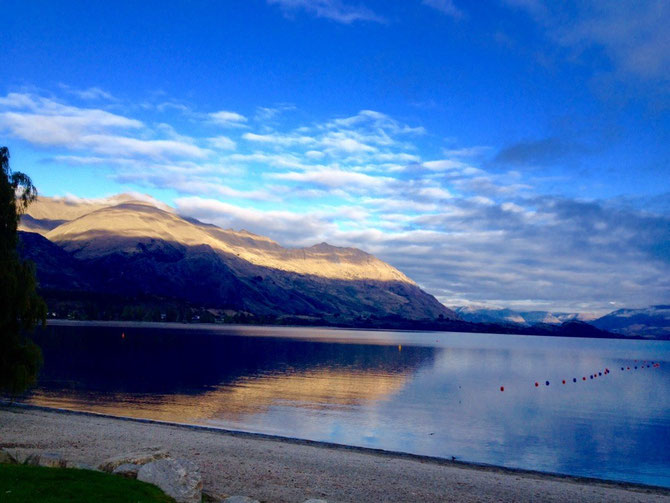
510,153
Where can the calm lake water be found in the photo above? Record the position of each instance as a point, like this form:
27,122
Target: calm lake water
429,393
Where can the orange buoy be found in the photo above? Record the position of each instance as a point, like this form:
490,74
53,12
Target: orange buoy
123,335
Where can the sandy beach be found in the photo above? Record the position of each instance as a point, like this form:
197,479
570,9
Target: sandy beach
271,469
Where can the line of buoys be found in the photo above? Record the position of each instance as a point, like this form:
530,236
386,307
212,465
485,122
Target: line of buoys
595,374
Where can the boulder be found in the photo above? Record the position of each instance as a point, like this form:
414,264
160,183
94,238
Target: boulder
136,458
31,458
211,497
6,457
178,478
51,460
127,470
240,499
79,466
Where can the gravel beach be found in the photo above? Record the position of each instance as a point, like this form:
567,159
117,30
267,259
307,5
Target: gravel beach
285,471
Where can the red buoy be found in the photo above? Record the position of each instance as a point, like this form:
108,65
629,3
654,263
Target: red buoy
537,384
563,381
502,388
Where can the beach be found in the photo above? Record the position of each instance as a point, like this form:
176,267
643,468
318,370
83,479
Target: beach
285,470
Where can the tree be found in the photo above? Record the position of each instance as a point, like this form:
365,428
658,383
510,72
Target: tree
21,308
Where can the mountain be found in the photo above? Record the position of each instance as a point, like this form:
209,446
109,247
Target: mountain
509,316
103,256
650,322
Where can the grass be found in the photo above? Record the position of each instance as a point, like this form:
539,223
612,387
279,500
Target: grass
27,484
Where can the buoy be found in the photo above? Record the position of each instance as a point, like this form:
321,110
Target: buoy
591,376
621,368
502,388
600,373
583,378
546,383
574,379
123,335
537,384
563,381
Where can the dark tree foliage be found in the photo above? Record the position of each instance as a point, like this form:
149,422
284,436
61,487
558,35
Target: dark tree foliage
21,308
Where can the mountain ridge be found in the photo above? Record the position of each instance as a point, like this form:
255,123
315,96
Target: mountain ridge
132,249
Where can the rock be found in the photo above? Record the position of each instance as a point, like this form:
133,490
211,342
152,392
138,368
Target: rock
6,457
51,460
240,499
127,470
178,478
212,497
31,458
79,466
209,497
136,458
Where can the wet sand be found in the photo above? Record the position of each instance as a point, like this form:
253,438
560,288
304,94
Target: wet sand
283,470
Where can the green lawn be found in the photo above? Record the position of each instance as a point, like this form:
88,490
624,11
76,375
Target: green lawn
65,485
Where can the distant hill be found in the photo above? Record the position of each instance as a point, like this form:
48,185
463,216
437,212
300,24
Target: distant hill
509,316
650,322
130,257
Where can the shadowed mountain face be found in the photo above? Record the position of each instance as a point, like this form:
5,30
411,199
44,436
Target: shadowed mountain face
131,248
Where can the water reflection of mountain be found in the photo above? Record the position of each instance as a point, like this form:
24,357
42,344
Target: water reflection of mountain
192,376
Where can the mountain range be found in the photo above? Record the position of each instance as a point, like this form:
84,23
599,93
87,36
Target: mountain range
100,257
527,318
132,257
650,322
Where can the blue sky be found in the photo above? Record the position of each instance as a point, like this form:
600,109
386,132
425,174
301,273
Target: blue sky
509,152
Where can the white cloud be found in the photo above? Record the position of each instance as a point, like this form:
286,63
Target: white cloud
445,165
228,119
335,178
279,139
633,34
46,122
460,231
265,114
445,6
92,94
337,10
336,143
222,143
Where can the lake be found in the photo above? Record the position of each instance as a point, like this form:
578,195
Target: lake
429,393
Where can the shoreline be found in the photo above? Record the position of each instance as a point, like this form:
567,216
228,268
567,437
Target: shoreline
423,465
243,326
